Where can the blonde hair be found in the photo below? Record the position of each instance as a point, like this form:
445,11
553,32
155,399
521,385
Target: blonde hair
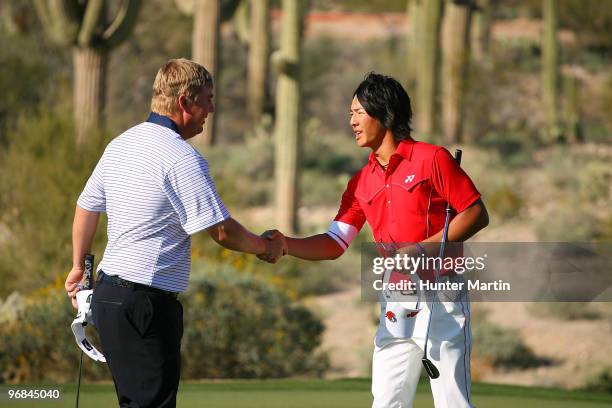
175,78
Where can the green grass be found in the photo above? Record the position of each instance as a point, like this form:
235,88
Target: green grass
323,394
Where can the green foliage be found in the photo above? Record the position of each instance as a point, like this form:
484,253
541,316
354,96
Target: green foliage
601,381
563,222
361,6
23,77
505,202
41,174
243,173
590,20
502,348
295,277
40,346
565,310
237,326
595,179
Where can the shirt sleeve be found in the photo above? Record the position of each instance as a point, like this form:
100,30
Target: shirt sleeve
451,182
350,217
193,194
93,197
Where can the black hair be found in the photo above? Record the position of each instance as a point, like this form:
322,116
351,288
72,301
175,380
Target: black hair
385,99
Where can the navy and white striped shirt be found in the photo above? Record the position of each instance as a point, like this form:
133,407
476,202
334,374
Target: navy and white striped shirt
156,190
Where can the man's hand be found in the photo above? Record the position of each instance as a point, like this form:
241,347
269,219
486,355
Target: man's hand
276,246
72,283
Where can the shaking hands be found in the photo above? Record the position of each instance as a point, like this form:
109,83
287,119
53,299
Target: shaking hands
276,246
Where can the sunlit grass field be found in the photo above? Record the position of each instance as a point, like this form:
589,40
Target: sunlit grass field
324,394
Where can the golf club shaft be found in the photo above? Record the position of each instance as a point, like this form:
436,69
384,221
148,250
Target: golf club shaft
431,369
79,381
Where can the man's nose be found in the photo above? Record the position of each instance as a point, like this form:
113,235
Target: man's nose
212,108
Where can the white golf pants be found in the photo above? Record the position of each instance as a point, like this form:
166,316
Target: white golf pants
396,368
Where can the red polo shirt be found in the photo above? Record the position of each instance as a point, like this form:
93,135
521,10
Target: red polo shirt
407,202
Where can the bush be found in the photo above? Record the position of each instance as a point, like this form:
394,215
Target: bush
601,381
42,172
239,327
505,202
39,345
235,326
563,223
502,348
595,179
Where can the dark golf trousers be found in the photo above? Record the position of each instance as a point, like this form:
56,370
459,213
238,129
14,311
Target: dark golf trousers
140,334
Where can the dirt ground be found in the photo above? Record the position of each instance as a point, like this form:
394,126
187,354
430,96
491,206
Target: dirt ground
576,349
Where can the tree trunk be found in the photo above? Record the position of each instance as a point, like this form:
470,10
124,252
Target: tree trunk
288,107
456,33
205,51
427,68
550,69
89,90
258,58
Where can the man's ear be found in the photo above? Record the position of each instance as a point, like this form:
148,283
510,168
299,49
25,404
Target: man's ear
184,104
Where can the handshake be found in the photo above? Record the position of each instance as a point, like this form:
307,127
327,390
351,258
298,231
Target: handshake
276,246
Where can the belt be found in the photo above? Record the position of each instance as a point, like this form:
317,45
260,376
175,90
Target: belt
122,283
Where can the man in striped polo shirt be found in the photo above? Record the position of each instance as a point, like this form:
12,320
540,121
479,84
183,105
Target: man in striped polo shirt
157,191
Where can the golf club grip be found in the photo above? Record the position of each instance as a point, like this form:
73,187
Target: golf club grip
458,154
87,275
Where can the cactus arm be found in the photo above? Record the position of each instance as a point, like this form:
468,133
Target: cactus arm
94,11
64,14
185,6
123,23
43,15
241,21
57,18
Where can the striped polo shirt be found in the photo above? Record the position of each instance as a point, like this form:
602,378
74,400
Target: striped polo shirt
157,191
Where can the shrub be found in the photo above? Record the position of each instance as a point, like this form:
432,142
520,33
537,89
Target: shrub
235,326
39,345
42,171
595,179
505,202
563,223
602,381
502,348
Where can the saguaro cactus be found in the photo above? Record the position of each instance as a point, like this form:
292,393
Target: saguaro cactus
550,68
455,50
571,111
259,45
205,39
482,22
205,50
84,26
428,63
287,62
414,8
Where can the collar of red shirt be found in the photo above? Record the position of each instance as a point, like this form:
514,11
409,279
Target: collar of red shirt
403,151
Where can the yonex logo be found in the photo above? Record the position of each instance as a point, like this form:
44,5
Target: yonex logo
409,178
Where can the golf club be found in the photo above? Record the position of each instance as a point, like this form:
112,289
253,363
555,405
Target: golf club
86,285
431,369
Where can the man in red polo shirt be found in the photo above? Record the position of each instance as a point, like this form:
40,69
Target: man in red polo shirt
402,192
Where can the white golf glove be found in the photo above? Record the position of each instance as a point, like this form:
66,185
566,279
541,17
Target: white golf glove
84,317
